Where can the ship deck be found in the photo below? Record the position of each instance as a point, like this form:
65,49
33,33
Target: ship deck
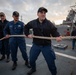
65,62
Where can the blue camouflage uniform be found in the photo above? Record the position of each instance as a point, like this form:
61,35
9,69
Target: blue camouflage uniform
15,42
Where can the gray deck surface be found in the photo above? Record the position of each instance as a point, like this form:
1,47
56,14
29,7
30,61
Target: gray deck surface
65,66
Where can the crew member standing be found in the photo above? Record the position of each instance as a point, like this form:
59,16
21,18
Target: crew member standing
42,27
16,27
74,40
4,44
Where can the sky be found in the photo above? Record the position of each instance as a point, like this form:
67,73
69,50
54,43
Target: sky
57,9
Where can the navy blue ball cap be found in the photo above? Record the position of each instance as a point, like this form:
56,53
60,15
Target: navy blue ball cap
15,13
42,9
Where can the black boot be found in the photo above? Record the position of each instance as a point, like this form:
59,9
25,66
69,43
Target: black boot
72,48
8,58
27,64
2,58
31,71
14,65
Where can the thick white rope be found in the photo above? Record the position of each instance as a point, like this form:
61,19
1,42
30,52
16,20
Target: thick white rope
41,37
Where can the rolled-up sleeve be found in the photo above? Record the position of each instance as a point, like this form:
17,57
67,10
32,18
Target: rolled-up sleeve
27,27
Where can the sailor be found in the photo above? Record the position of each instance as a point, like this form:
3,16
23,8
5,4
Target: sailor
74,40
16,27
4,44
42,27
